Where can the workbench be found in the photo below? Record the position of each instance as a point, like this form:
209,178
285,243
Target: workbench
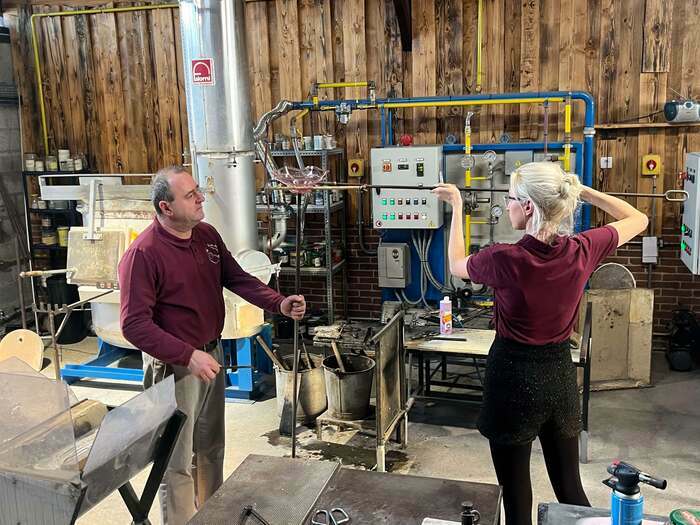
471,347
287,491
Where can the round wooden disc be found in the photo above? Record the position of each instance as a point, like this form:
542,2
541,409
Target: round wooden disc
25,345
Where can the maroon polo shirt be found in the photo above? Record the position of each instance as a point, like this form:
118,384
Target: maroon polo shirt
538,286
171,291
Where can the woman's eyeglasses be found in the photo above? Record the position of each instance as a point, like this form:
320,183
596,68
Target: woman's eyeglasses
507,199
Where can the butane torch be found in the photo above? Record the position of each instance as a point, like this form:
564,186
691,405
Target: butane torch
627,500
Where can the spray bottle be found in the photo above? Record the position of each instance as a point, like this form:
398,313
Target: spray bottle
627,501
446,316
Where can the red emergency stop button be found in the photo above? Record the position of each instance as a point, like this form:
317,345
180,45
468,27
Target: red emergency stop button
651,164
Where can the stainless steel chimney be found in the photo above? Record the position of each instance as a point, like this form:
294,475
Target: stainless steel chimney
218,112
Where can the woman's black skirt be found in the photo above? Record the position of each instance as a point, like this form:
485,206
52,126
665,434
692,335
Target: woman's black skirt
529,390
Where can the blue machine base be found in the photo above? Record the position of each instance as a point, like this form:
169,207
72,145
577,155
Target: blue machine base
242,384
246,383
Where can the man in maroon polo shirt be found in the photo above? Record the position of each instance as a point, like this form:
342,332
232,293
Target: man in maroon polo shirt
172,309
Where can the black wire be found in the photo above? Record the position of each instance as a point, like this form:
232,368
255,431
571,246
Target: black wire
640,117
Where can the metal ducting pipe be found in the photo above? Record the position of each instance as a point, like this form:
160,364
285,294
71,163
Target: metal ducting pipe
280,227
219,116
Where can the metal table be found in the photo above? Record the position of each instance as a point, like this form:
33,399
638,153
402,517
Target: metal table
287,491
475,344
559,514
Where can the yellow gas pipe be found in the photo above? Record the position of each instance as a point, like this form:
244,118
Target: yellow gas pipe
567,135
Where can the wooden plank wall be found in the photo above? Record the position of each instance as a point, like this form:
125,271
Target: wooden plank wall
114,83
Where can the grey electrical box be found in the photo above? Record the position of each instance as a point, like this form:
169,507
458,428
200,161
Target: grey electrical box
394,265
514,159
650,250
690,227
406,209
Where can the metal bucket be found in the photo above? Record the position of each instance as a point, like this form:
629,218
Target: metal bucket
349,392
312,389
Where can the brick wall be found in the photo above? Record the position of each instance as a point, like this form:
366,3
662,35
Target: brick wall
364,296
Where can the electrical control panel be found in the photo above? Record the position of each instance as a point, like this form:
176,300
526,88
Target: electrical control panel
690,222
409,208
394,261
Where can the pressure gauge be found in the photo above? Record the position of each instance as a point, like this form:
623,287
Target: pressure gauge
496,211
489,156
468,162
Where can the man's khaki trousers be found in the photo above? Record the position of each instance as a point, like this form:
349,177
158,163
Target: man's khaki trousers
196,468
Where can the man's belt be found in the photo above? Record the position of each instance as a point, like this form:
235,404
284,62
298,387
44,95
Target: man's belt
210,346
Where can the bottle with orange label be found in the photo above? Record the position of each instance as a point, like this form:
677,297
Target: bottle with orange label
446,316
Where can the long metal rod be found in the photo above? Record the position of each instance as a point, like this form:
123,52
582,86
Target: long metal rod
20,286
295,365
668,195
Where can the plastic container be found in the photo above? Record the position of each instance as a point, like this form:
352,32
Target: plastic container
446,316
51,163
62,232
49,237
29,162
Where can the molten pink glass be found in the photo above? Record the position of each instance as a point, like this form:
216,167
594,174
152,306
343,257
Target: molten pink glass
303,181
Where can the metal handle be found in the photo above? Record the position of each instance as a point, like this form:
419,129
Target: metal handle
683,195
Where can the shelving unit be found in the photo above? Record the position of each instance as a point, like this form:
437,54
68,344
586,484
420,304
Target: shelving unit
328,209
56,255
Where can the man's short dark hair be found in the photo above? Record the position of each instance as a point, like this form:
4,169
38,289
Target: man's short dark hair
160,186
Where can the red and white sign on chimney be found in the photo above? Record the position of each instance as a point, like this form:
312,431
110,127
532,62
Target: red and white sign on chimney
203,71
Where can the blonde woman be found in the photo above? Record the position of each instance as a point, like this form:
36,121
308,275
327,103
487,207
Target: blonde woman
530,383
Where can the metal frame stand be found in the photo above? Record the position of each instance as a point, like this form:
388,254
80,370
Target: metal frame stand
99,367
243,358
139,507
390,414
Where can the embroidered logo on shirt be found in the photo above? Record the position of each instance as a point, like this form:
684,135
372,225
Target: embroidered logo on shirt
213,253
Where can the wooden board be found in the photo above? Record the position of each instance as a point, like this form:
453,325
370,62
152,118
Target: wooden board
424,60
25,345
449,81
115,84
651,97
529,68
355,70
289,55
657,36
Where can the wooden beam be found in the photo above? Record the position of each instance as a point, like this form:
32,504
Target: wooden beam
424,69
449,65
657,36
404,15
530,68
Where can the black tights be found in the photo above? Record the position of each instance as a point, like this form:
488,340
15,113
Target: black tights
512,464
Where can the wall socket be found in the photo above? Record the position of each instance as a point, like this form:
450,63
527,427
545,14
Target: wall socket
605,163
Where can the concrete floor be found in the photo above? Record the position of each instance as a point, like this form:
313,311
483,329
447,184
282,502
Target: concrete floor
656,429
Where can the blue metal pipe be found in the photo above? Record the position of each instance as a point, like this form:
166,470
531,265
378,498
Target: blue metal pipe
391,127
588,131
383,126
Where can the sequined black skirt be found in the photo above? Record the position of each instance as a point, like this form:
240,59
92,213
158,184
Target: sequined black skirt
529,390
